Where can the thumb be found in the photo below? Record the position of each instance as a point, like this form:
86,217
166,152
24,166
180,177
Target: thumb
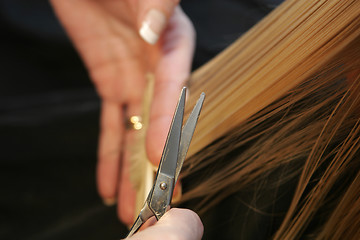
175,224
153,18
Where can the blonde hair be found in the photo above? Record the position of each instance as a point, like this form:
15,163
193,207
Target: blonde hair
286,96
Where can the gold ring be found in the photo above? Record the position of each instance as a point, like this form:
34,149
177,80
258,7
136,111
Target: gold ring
134,122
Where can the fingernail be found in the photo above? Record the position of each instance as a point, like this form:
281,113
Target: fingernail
109,201
152,26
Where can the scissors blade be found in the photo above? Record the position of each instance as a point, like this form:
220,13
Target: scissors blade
187,134
170,153
160,196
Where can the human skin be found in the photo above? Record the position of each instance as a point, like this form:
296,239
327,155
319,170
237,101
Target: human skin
106,36
176,224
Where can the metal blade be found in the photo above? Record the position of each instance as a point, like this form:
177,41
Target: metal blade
187,133
169,156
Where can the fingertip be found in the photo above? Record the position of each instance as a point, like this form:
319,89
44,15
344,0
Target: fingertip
126,195
194,220
107,176
153,18
109,201
186,220
126,206
152,26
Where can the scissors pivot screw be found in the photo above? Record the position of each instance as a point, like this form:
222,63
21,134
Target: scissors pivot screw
163,186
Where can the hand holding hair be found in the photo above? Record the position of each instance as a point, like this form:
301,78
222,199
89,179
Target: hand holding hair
112,38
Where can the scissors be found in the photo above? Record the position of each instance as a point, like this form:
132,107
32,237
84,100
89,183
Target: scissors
174,153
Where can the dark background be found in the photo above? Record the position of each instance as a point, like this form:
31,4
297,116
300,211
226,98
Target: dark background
49,118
